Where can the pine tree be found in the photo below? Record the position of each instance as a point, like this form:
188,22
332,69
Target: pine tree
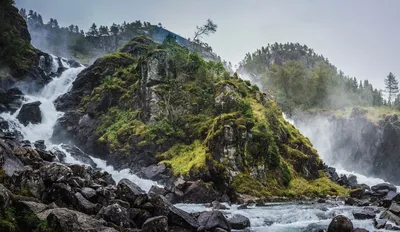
392,86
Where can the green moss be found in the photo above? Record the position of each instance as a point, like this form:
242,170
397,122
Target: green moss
185,159
246,184
24,192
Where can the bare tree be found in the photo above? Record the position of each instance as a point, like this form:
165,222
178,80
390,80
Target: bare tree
209,28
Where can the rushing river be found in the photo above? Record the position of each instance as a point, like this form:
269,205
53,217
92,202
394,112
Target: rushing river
273,217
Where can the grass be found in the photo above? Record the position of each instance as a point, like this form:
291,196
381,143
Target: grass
184,159
375,114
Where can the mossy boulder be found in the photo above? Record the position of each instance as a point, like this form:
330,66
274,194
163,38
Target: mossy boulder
169,106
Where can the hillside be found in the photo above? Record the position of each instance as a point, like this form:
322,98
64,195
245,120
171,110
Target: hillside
159,104
299,78
71,42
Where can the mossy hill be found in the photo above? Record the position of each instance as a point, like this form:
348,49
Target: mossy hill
159,102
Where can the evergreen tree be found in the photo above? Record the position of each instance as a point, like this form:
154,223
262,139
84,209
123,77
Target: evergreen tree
114,29
93,30
392,86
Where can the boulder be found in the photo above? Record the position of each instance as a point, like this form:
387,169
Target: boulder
10,100
88,193
340,224
55,172
200,192
82,204
28,179
379,223
395,208
139,216
242,207
153,172
351,201
359,230
8,161
239,222
176,217
391,217
383,186
116,214
209,221
66,220
357,193
365,213
5,197
59,193
156,224
155,190
30,113
218,206
79,155
130,192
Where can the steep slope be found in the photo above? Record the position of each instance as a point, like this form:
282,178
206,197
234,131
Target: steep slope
154,104
299,78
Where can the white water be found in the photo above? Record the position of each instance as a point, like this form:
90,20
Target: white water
43,131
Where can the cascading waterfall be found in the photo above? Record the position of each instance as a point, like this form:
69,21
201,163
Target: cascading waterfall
43,131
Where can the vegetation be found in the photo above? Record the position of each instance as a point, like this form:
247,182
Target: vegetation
13,219
392,86
17,56
297,77
198,119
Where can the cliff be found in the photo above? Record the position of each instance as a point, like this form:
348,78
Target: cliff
158,104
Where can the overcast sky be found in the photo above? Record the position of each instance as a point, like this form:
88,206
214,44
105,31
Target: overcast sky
360,37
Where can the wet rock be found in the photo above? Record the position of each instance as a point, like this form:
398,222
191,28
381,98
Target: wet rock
27,179
88,193
130,192
391,227
8,161
175,216
84,205
314,227
153,172
200,192
218,206
239,222
116,214
156,224
46,155
212,220
65,220
359,230
39,144
79,155
390,217
139,216
155,190
357,193
30,113
388,199
379,223
122,203
10,100
351,201
55,172
383,186
59,193
242,207
340,224
363,214
395,208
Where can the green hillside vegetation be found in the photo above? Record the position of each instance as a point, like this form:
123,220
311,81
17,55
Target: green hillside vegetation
201,121
297,77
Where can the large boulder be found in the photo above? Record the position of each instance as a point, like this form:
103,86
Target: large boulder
239,222
340,224
10,100
176,217
65,220
365,213
200,192
115,214
55,172
130,192
390,217
8,161
79,155
30,113
213,220
380,223
84,205
156,224
28,179
153,172
383,186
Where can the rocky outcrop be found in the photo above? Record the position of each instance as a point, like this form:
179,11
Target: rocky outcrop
30,113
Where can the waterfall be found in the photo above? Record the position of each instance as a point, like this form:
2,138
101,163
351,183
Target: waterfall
43,131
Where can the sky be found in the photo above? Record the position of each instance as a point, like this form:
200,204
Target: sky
360,37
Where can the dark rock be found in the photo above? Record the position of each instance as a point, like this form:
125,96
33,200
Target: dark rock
388,199
357,193
383,186
55,172
321,200
8,161
79,155
65,220
46,155
82,204
88,193
175,216
153,172
105,176
120,202
239,222
242,207
139,216
390,216
379,223
28,179
212,220
40,144
391,227
116,214
340,224
155,190
171,197
59,193
156,224
5,197
365,213
218,206
359,230
11,100
130,192
351,201
395,208
200,192
314,227
30,113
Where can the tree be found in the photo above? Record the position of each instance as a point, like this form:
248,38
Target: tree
103,31
114,29
170,39
71,28
93,30
392,86
40,19
209,28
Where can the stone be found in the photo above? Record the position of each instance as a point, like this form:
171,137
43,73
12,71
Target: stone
383,186
212,220
239,222
395,208
116,214
340,223
242,207
155,190
359,230
218,206
153,172
365,213
139,216
88,193
379,223
156,224
30,113
5,197
79,155
55,172
351,201
390,217
130,192
357,193
200,192
82,204
39,144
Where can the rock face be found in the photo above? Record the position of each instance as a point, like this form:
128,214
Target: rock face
340,224
363,145
30,113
